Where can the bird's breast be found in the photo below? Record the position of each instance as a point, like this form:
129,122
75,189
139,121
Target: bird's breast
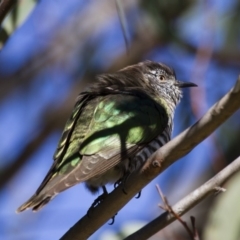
142,156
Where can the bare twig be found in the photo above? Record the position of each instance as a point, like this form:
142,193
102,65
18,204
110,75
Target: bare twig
157,163
187,202
169,209
195,232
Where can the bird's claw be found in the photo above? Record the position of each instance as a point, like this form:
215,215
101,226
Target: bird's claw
113,220
119,182
139,194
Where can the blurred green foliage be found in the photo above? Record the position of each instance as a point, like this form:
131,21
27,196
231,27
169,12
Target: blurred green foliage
224,217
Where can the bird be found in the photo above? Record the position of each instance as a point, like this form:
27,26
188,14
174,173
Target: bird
116,124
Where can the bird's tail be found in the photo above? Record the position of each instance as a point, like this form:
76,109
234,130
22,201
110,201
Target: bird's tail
36,202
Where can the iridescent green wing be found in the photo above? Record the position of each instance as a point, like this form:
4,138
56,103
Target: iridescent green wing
121,125
66,135
70,126
101,132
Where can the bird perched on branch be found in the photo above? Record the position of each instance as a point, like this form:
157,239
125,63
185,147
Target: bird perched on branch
115,126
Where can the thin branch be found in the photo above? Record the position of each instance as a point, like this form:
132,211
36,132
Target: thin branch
170,210
123,22
157,163
195,232
187,202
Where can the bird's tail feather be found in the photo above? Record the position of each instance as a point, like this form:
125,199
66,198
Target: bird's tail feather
36,202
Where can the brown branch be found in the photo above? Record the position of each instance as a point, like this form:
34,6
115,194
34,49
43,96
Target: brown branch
187,202
157,163
5,7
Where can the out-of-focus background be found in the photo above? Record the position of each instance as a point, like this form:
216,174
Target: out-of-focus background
51,50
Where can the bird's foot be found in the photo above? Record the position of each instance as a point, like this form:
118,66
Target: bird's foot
119,182
123,181
98,200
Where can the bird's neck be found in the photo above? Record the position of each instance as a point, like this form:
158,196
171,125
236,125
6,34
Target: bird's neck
169,103
170,97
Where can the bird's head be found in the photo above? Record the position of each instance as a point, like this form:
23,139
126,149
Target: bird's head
160,78
154,78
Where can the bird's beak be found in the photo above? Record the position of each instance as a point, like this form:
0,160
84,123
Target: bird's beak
182,84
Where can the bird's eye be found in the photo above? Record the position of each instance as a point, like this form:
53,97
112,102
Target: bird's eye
161,77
